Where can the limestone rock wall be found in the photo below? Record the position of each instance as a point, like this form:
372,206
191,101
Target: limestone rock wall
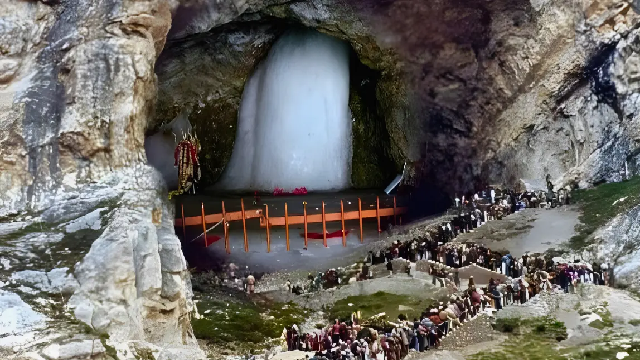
576,119
618,244
77,87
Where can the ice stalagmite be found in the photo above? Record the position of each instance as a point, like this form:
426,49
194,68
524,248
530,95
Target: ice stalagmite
294,124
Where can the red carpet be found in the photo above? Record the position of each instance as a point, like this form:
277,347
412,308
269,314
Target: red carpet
334,234
212,238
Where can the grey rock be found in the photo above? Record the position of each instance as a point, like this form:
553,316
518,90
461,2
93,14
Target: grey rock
8,69
618,244
90,221
74,350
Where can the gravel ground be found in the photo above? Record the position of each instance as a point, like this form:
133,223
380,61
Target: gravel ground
277,280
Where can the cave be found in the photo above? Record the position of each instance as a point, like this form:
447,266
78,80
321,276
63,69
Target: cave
205,82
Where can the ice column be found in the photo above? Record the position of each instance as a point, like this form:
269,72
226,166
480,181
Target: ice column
294,123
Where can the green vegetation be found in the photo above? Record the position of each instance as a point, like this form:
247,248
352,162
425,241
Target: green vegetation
545,328
245,324
35,227
533,338
110,350
379,302
73,247
537,338
605,315
600,205
634,322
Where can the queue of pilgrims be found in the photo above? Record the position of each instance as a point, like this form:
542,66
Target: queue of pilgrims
525,277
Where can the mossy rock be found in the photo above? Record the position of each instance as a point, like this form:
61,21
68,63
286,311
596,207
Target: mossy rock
600,205
244,323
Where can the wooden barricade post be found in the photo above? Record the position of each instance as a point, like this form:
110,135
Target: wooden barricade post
286,224
244,226
184,228
360,218
266,218
227,246
378,212
394,211
324,227
344,234
204,227
304,203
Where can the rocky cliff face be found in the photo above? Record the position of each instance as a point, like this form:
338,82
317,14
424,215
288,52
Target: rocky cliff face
489,91
76,89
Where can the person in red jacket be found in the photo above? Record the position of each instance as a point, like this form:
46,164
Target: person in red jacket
335,332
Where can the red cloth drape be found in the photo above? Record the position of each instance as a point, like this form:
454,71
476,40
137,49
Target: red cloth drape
330,235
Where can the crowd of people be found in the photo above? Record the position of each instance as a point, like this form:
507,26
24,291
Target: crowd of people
522,278
387,340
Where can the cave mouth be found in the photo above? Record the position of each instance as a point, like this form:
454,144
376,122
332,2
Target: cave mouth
202,80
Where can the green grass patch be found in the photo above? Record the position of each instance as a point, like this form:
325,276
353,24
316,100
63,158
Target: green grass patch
605,315
533,338
537,338
244,323
634,322
544,328
35,227
379,302
600,204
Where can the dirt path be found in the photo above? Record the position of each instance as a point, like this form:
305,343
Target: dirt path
533,230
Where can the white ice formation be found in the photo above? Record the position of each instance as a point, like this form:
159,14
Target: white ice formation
294,126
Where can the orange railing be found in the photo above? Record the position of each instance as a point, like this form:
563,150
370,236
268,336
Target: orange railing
287,220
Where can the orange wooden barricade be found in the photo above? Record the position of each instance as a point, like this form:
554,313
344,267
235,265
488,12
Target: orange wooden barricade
227,245
324,227
244,226
394,211
266,211
360,218
344,231
304,204
378,212
204,227
266,222
286,224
